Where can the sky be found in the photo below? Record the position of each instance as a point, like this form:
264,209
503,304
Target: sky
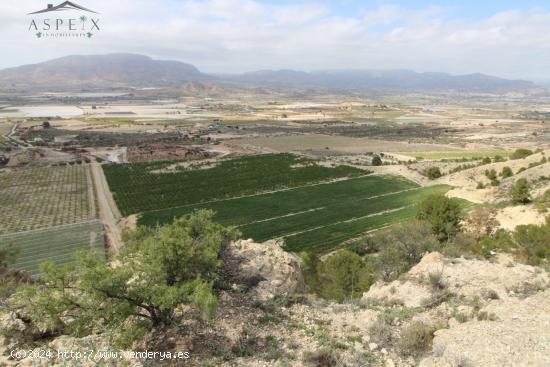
504,38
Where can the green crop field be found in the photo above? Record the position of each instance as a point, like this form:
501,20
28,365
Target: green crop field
57,244
318,217
308,205
142,187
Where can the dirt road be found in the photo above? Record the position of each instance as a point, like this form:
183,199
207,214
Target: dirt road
108,211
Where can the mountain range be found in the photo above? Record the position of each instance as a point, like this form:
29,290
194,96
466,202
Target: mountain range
130,70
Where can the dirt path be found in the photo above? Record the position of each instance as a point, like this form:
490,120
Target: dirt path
108,211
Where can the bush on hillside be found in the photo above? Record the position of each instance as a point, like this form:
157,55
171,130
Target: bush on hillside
401,247
376,161
521,153
519,192
442,213
342,276
542,202
491,174
534,243
506,172
433,172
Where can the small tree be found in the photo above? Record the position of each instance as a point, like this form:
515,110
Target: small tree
519,192
158,270
433,172
344,275
402,246
486,160
442,213
506,172
46,125
491,174
376,161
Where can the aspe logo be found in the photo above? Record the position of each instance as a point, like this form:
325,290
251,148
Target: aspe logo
47,23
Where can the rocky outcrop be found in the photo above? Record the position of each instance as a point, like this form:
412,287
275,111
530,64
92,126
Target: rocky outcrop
467,278
491,313
516,335
270,269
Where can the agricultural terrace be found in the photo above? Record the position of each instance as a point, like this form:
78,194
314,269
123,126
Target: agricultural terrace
56,244
458,154
41,197
147,186
312,207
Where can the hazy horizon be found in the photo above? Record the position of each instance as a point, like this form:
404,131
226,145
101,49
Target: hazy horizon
502,38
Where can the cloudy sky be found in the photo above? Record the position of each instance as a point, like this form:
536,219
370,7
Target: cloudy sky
499,37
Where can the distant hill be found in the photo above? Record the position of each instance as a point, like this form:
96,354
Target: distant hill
129,70
112,70
383,80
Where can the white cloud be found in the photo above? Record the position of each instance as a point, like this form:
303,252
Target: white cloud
242,35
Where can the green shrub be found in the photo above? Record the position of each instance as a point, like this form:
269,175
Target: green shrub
542,201
529,243
491,174
506,172
343,275
364,246
521,153
433,172
519,192
442,213
401,247
534,243
376,161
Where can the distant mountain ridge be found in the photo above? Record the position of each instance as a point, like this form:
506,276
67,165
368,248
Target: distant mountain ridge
384,80
112,70
130,70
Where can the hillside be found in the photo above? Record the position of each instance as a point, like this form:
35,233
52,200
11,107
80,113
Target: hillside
479,313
